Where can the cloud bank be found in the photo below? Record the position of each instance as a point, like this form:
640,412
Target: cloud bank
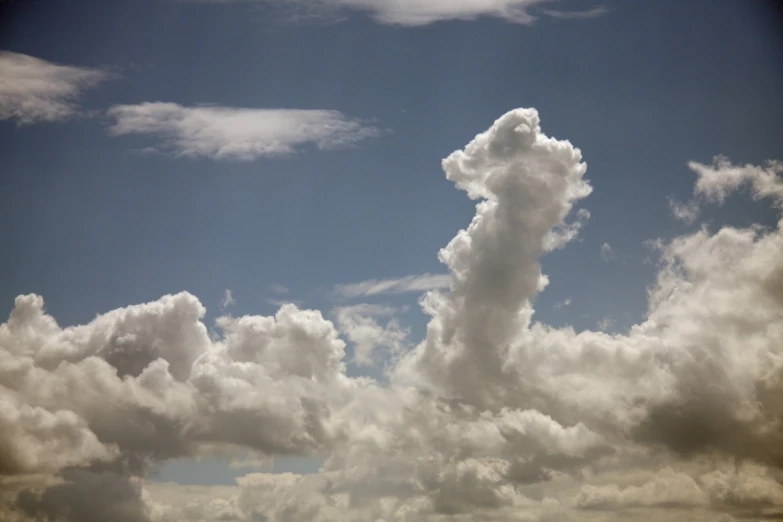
493,416
34,90
228,133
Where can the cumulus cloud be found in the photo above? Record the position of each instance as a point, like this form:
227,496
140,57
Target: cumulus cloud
527,183
667,488
411,283
229,133
492,416
34,90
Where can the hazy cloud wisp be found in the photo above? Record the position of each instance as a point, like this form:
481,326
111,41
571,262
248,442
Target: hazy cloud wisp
228,133
34,90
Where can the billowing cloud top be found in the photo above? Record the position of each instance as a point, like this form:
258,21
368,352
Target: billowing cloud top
492,416
34,90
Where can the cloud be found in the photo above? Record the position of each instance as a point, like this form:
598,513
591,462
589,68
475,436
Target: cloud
228,133
228,300
720,179
667,488
33,439
86,495
34,90
424,12
491,416
685,212
562,304
411,12
279,289
359,324
589,13
527,183
742,487
283,302
607,252
411,283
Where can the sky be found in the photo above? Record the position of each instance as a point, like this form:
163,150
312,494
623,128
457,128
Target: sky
398,261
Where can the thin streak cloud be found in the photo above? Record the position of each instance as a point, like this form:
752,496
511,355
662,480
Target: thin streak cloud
411,283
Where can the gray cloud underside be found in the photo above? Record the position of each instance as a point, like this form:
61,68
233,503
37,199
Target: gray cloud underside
493,416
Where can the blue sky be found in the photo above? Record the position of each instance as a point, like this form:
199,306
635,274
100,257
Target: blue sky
641,90
98,212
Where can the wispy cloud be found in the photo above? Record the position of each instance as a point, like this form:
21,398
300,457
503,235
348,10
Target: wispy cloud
424,12
229,133
685,212
604,324
279,289
607,252
411,283
281,302
566,15
34,90
228,300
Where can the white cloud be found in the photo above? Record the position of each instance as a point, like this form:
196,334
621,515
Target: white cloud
492,416
228,300
34,90
607,252
228,133
685,212
604,324
35,439
279,289
720,179
562,304
424,12
411,283
414,12
359,324
527,184
715,182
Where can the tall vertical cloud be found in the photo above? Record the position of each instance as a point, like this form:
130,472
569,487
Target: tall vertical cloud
527,184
